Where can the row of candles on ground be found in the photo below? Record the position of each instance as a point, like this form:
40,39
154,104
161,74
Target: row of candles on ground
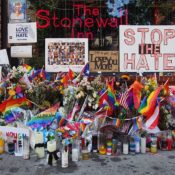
104,144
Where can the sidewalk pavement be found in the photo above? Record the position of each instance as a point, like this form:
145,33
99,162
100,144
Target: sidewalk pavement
162,163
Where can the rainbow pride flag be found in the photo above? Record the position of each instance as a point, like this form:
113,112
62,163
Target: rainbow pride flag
50,111
137,87
148,105
116,122
27,67
112,99
11,103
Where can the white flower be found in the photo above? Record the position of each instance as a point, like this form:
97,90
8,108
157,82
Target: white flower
89,104
82,93
94,94
96,106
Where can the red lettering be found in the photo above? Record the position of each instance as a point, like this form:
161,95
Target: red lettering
143,32
63,22
169,34
40,15
129,61
55,20
78,7
89,22
102,22
156,60
142,63
96,12
129,34
153,36
113,22
166,62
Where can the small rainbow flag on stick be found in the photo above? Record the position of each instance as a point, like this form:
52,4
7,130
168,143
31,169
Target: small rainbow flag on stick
116,122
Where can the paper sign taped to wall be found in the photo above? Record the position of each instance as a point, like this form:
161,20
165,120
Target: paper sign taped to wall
4,57
21,51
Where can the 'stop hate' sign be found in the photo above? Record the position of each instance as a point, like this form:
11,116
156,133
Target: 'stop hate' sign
147,48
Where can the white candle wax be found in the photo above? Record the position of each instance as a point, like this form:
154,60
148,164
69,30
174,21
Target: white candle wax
51,146
39,140
137,147
40,152
64,159
125,148
143,145
75,154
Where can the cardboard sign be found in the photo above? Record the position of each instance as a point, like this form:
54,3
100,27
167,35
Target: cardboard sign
103,61
64,53
147,48
4,57
22,33
21,51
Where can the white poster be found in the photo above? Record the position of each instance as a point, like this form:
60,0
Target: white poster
0,73
4,57
147,48
22,33
21,51
64,53
16,135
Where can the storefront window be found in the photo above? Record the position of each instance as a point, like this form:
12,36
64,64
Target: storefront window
97,20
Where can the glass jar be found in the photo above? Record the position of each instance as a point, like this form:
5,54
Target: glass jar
95,143
102,143
169,142
137,144
119,147
109,147
153,144
114,147
2,146
132,146
75,151
64,157
143,145
164,142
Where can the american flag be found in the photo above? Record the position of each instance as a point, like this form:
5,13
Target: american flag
124,98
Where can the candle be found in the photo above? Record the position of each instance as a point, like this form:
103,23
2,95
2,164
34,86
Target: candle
85,154
39,145
1,146
64,158
154,145
137,144
26,148
75,154
51,148
143,145
125,148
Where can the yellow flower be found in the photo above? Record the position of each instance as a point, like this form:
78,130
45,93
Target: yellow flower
11,92
146,87
125,77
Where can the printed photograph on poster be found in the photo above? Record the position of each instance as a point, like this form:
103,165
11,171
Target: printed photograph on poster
17,10
64,53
